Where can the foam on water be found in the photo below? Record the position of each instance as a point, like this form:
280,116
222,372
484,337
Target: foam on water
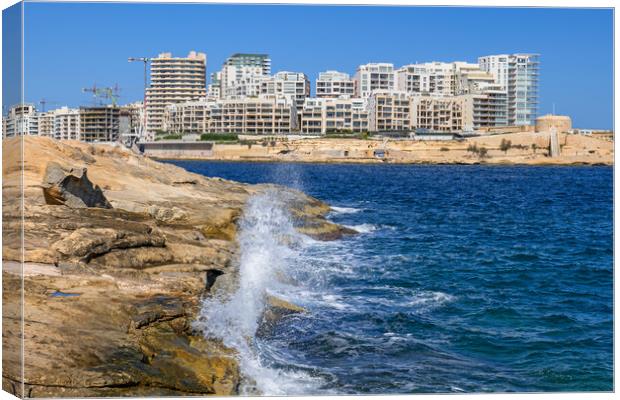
345,210
267,240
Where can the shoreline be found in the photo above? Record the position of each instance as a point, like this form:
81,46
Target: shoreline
379,162
526,148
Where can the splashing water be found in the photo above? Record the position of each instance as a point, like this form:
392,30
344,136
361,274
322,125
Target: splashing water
266,242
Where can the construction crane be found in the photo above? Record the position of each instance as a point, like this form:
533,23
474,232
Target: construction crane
146,61
43,102
104,93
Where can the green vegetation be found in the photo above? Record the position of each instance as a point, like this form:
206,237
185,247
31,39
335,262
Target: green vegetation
482,152
505,145
346,134
168,136
220,137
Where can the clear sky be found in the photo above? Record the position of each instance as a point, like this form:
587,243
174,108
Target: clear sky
71,46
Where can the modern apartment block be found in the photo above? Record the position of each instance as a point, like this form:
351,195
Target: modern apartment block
191,117
334,84
65,124
389,111
214,89
21,120
438,114
428,78
324,115
264,115
292,85
100,124
374,76
173,80
517,75
237,77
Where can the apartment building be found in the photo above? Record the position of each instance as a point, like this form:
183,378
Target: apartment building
214,89
292,85
173,80
65,124
264,115
517,75
334,84
485,109
324,115
374,76
99,124
427,78
191,117
389,111
22,119
237,77
438,113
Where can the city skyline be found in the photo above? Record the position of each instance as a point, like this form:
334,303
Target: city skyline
104,61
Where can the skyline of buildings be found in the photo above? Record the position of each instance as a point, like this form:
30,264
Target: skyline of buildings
245,97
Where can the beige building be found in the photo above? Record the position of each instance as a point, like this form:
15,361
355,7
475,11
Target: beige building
191,117
438,114
374,76
434,78
265,115
324,115
389,111
173,80
560,123
334,84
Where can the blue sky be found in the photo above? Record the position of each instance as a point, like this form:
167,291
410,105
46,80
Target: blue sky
71,46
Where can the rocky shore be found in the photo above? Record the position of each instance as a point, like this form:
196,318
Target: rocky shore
118,251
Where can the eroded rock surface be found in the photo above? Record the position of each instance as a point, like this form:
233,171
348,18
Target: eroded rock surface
118,252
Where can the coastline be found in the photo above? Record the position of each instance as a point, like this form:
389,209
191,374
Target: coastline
123,250
525,149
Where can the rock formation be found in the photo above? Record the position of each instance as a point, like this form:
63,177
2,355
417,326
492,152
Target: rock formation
117,252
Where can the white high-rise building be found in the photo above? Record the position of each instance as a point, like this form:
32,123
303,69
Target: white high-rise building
173,80
374,76
239,72
292,85
517,75
21,120
65,124
334,84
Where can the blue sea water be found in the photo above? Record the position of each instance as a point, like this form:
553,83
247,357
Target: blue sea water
462,279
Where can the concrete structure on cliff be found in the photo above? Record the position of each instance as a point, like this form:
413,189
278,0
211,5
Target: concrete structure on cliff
173,80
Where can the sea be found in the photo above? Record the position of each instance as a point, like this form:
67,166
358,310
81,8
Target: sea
462,279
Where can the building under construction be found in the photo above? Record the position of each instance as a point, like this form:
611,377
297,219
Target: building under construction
100,123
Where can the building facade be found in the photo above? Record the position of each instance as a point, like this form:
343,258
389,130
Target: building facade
438,113
21,120
389,111
331,115
334,84
264,115
517,75
374,76
173,80
239,72
291,85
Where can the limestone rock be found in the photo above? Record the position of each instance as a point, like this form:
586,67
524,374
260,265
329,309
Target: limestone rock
71,187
